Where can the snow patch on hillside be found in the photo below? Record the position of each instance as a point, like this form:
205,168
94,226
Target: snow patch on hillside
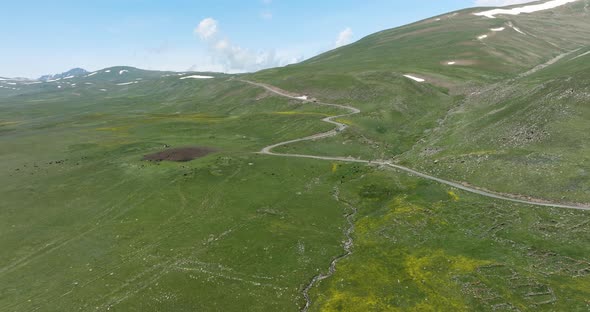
498,29
127,83
92,74
518,30
581,55
515,28
197,77
414,78
482,37
525,9
121,72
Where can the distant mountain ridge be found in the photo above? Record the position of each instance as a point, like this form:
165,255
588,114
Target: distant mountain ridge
75,72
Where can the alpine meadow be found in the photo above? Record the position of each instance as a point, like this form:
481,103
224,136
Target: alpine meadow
442,165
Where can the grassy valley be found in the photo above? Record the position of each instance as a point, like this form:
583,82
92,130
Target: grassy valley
86,224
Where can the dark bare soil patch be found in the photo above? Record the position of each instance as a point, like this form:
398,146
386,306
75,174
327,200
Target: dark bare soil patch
180,154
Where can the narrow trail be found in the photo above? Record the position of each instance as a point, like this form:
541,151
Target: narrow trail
340,126
347,245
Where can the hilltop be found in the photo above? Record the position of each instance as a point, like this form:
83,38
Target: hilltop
75,72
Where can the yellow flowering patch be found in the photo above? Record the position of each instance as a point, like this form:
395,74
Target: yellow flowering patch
113,129
350,302
372,277
188,117
9,123
433,275
453,196
414,279
427,281
345,121
334,167
298,113
399,205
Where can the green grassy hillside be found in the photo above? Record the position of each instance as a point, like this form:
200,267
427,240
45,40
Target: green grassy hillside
427,46
527,69
532,133
87,225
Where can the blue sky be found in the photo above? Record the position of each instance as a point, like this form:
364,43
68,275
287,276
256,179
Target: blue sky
218,35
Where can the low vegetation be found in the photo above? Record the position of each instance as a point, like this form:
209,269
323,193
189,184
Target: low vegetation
144,191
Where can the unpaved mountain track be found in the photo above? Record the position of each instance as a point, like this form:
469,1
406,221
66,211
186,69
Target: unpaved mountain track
340,126
348,243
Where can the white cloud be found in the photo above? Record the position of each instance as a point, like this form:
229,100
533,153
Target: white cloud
234,59
499,2
267,15
222,44
344,37
207,28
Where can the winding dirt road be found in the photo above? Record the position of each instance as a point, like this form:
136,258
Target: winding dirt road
340,126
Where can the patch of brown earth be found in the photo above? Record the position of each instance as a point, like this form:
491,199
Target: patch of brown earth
180,154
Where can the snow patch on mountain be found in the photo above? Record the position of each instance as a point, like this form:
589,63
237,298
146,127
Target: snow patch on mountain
525,9
127,83
418,79
197,77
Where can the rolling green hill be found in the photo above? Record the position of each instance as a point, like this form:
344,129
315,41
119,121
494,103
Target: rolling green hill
87,225
527,69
